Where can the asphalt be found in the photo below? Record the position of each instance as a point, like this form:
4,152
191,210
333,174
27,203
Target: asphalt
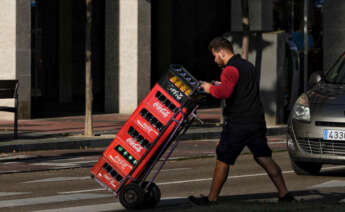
67,132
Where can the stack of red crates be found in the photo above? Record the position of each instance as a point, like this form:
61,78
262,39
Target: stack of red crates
147,128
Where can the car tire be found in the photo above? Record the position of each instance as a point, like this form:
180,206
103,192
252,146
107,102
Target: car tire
306,168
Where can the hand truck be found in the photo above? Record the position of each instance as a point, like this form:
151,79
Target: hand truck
160,119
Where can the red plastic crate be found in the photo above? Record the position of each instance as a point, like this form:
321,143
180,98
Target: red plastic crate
117,159
145,137
161,112
159,105
132,143
104,176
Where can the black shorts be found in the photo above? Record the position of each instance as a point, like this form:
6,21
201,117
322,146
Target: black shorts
235,136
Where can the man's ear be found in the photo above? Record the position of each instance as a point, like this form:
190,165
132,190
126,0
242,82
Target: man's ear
222,53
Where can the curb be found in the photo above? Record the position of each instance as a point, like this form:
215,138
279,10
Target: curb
77,142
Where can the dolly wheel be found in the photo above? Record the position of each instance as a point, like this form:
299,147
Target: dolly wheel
152,195
132,196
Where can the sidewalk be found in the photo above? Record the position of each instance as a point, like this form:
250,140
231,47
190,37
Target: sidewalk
67,132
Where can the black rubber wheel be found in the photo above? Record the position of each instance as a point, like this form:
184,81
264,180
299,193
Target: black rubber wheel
132,196
152,195
306,168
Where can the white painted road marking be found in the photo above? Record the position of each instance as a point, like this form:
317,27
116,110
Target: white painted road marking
333,167
106,207
208,179
329,184
6,194
197,180
276,142
15,157
55,164
239,176
88,208
58,179
82,191
76,196
169,170
50,199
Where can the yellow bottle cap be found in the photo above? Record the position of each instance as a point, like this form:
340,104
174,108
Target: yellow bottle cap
188,92
173,79
179,83
184,88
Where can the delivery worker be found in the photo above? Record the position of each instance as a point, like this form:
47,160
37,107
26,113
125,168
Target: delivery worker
244,120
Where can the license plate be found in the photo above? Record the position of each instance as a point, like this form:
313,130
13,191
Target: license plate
338,135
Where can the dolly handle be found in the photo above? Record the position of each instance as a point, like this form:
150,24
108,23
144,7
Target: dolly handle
195,116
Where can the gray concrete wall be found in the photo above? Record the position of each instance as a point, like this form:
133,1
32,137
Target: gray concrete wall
273,77
267,53
260,15
128,54
23,56
144,48
333,31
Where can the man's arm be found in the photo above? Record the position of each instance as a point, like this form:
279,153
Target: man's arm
229,79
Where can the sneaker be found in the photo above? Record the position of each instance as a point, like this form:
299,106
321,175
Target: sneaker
287,198
201,201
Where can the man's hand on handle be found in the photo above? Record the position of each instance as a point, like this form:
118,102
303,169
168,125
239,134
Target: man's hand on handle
206,86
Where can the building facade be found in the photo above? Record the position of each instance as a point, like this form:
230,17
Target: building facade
133,42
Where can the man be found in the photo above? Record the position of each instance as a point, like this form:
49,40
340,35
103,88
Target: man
244,120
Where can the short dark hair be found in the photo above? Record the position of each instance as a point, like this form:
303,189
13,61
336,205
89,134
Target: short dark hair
220,43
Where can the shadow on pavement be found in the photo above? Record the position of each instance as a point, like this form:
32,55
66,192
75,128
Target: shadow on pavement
309,200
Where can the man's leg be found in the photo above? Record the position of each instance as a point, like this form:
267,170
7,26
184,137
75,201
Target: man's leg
228,149
274,171
220,175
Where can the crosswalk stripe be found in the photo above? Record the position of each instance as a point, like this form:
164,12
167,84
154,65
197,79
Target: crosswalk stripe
50,199
114,206
88,208
82,191
6,194
329,184
54,164
58,179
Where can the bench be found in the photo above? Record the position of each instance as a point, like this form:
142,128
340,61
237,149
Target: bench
9,90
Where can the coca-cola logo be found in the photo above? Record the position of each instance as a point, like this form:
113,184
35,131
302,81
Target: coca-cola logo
110,180
165,112
178,95
132,142
146,127
120,162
